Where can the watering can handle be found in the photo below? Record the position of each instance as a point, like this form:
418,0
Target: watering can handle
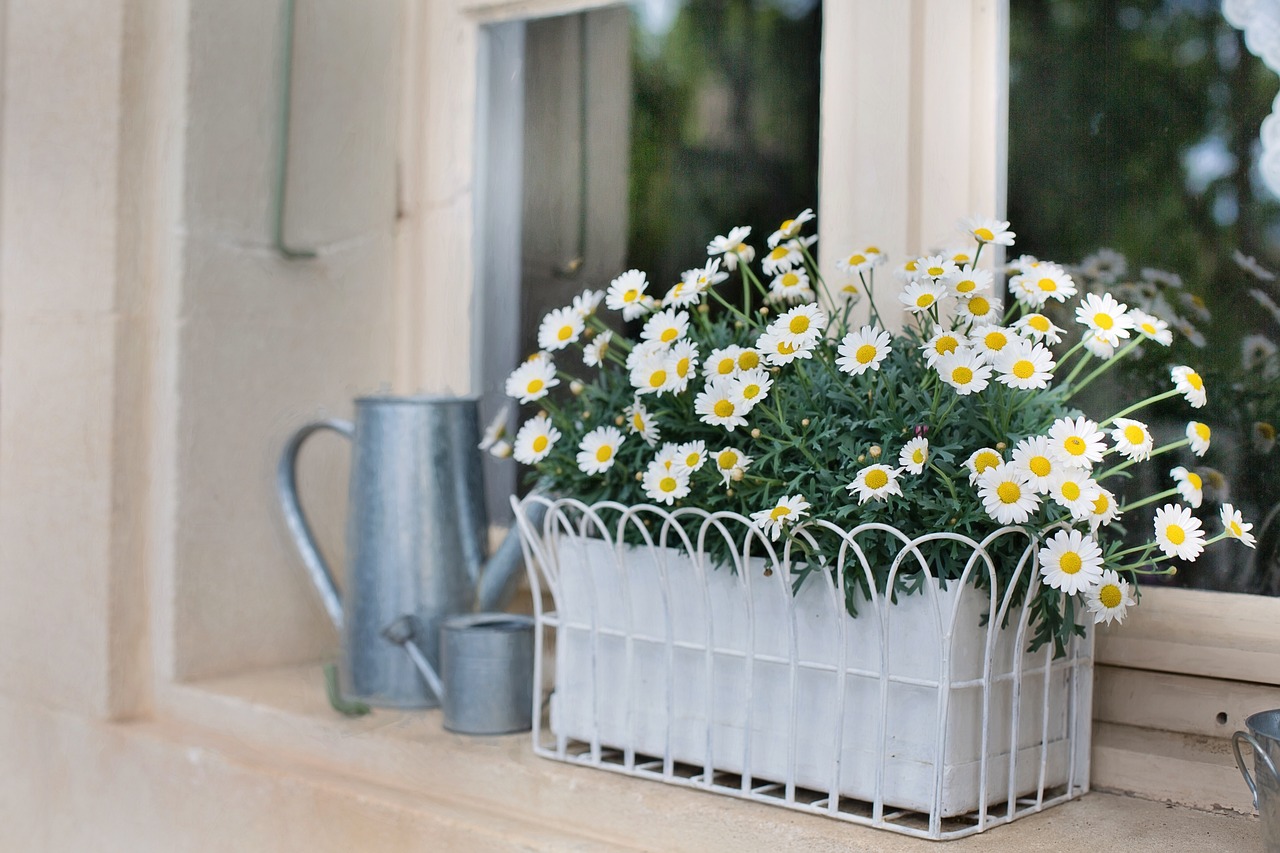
287,487
1259,753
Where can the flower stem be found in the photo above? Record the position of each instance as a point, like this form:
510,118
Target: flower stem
1150,500
1142,404
1164,448
1104,367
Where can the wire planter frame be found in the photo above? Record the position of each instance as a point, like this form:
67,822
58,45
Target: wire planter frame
921,716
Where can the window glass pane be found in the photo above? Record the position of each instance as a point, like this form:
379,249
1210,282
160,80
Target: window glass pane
1135,155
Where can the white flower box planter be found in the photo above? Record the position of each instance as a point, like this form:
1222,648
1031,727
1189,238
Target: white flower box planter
664,664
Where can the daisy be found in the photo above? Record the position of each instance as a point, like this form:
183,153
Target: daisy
641,423
782,258
860,261
980,310
959,257
863,350
987,230
722,362
964,370
748,358
708,276
593,353
1109,599
654,373
791,286
1007,494
875,482
666,327
790,228
936,267
1098,345
663,484
1077,442
1034,456
751,386
969,283
731,244
1189,485
532,380
586,303
980,461
1132,439
1024,264
1047,282
1039,328
1071,561
626,294
909,271
731,462
1105,317
849,292
922,295
718,405
598,448
914,454
1189,384
496,430
942,343
684,362
1198,435
692,455
1075,490
1104,509
501,449
780,349
787,510
1178,532
1262,437
535,439
1234,525
991,340
801,326
1106,265
683,294
1023,364
1151,327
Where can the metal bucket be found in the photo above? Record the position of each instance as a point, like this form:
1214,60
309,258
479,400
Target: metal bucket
1264,737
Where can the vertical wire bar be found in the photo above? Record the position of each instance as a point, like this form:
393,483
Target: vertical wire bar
593,609
749,659
842,622
700,569
668,620
783,573
945,633
993,625
1044,725
882,729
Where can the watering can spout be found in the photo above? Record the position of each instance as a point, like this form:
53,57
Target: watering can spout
498,580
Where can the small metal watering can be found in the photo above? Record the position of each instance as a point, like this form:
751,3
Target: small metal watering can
416,538
1264,737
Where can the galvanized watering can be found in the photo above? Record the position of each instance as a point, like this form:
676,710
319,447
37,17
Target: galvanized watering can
416,539
1264,737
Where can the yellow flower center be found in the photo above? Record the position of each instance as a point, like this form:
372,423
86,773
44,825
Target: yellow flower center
749,360
984,234
725,367
962,376
723,409
961,257
934,272
877,479
727,459
1110,596
865,354
780,512
534,386
637,422
1070,563
669,334
966,286
799,324
854,260
1101,505
996,340
1071,491
1103,321
910,267
668,484
1195,380
917,456
985,461
740,248
790,279
1175,534
691,460
924,300
682,367
1039,322
1148,329
630,295
604,453
1047,285
657,379
872,250
1202,431
1009,492
1194,479
1023,369
1040,466
787,225
750,391
1074,445
540,443
779,253
565,333
945,344
1134,434
785,348
979,307
1236,530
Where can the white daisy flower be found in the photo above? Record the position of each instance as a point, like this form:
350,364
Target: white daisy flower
1098,345
722,362
959,257
980,310
654,373
781,348
626,294
684,362
666,455
782,258
1257,353
1234,525
788,510
532,380
989,230
708,276
665,485
849,292
1007,494
683,294
909,271
692,455
1104,510
990,341
875,482
863,350
1023,364
1109,599
922,295
1189,486
729,243
1198,435
559,328
1132,439
1189,384
914,454
943,342
801,325
751,387
593,352
535,439
496,430
1034,456
982,460
791,286
1106,266
1073,489
732,464
641,423
1151,327
501,449
936,267
969,283
1039,328
790,228
666,327
1078,442
748,358
1071,561
1105,317
1025,263
1178,532
964,370
719,405
1046,282
856,262
586,302
598,448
